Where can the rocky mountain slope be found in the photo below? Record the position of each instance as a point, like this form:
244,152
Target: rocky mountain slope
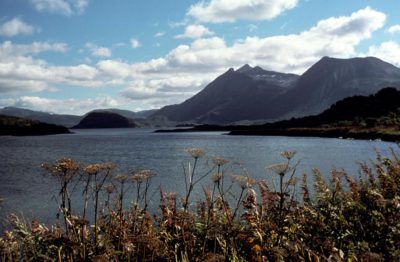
251,94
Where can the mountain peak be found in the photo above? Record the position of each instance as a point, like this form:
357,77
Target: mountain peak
244,68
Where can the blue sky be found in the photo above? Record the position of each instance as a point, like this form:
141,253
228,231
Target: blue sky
72,56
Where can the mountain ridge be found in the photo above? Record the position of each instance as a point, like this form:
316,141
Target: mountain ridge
255,94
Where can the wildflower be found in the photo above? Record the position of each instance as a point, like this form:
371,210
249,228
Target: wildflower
64,169
288,154
219,161
217,177
244,181
142,175
250,201
195,152
279,169
121,178
96,168
256,248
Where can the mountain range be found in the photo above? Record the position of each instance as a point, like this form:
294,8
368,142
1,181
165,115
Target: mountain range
73,120
254,94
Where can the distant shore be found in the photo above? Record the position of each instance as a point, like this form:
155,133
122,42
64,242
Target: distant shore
332,132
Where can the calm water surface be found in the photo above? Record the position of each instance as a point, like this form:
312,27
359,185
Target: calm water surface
24,188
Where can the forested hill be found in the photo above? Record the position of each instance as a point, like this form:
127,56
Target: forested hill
17,126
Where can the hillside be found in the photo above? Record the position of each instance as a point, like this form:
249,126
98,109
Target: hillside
105,119
244,94
17,126
332,79
369,117
254,94
56,119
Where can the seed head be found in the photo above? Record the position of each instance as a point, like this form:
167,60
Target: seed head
97,168
122,178
142,175
195,152
288,154
279,169
216,177
244,181
219,161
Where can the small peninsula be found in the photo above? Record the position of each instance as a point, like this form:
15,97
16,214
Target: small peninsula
16,126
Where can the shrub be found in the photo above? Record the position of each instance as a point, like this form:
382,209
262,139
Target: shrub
347,219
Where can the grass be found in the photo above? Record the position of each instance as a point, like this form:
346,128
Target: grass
344,220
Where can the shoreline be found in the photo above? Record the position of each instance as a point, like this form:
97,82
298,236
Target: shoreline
337,132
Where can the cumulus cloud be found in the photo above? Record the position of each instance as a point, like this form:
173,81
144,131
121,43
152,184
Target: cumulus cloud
336,36
63,7
218,11
64,106
388,51
21,71
98,51
394,29
195,31
135,43
17,26
187,68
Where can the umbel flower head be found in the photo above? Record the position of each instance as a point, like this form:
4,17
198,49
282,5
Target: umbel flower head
244,181
62,165
64,169
288,154
279,169
195,152
216,177
142,175
219,161
122,178
97,168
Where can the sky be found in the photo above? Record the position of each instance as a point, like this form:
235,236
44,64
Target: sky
73,56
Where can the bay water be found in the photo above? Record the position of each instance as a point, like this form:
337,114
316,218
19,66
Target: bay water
27,190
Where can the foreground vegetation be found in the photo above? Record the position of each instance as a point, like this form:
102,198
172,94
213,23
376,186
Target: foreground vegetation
342,220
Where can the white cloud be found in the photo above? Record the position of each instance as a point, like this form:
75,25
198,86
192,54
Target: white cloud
394,29
188,68
204,59
98,51
80,5
16,27
218,11
8,49
174,24
388,51
336,36
135,43
195,31
64,7
65,106
159,34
